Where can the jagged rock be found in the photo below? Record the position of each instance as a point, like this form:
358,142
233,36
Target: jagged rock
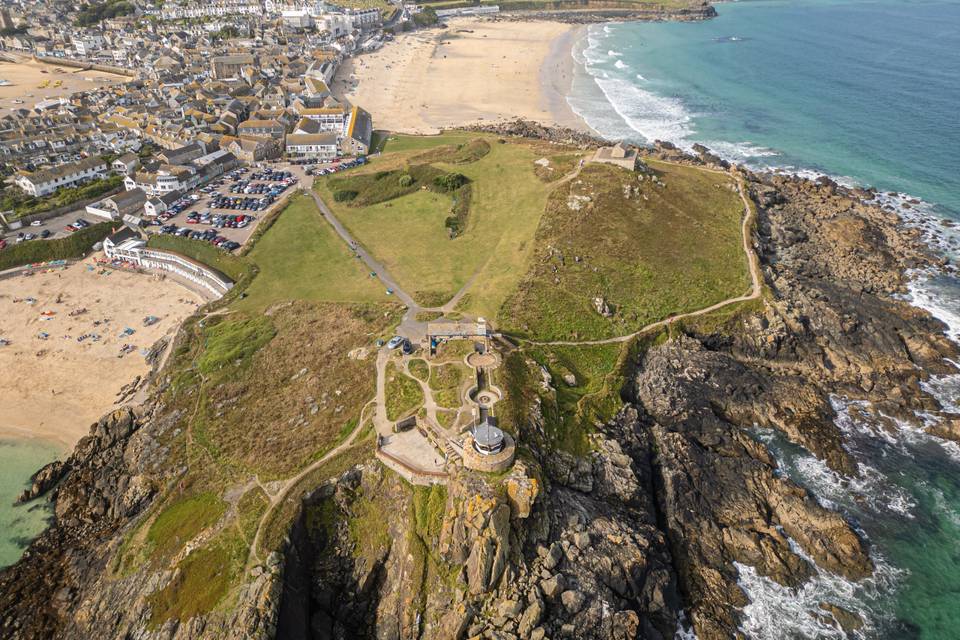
531,618
522,490
572,600
848,620
552,586
600,306
43,480
553,556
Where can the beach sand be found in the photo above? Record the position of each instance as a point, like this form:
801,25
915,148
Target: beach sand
474,71
26,77
54,389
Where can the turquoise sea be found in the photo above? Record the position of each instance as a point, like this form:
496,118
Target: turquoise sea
19,459
867,92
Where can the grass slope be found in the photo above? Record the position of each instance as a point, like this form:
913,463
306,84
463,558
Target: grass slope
408,234
659,251
302,258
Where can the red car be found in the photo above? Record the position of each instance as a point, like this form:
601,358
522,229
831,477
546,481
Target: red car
3,243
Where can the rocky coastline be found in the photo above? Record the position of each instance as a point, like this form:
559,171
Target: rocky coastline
636,539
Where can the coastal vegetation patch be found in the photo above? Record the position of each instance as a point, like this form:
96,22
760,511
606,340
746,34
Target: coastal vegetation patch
234,267
618,250
445,383
181,521
298,395
463,153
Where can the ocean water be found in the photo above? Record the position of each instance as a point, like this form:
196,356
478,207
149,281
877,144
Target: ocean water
19,459
867,92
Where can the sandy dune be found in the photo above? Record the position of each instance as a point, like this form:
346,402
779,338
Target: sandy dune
473,71
55,388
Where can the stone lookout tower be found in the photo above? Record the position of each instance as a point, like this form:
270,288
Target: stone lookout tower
488,448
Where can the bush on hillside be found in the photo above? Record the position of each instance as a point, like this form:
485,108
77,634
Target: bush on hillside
450,181
344,195
406,180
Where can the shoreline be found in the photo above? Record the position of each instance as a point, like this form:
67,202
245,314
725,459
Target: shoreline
476,71
65,346
556,80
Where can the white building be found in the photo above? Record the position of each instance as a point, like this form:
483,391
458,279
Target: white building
46,181
318,146
208,9
127,245
87,45
164,180
297,19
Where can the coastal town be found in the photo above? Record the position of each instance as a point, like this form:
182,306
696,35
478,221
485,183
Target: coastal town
387,319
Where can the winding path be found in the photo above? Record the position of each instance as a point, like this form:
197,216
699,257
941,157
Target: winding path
275,499
756,285
410,325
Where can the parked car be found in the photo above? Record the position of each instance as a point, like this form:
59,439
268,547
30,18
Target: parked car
36,223
395,342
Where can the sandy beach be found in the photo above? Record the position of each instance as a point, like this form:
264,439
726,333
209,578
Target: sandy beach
55,388
26,77
474,71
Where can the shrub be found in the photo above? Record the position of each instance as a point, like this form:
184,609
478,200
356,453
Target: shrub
450,181
344,195
406,180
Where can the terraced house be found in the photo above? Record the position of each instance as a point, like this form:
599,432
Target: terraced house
46,181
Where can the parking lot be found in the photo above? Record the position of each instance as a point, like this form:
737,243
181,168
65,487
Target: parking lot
227,210
50,229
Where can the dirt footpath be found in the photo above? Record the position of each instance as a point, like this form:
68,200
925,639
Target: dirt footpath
66,330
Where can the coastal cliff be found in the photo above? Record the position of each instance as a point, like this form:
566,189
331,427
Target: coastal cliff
639,535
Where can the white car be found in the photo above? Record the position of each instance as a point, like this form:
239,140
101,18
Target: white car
36,223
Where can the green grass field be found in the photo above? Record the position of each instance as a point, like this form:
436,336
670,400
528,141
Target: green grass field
408,235
404,394
302,258
445,383
657,252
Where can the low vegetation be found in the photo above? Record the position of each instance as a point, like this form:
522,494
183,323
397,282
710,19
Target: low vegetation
404,394
230,343
291,399
181,521
445,383
462,153
434,240
201,581
419,369
74,246
618,250
234,267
